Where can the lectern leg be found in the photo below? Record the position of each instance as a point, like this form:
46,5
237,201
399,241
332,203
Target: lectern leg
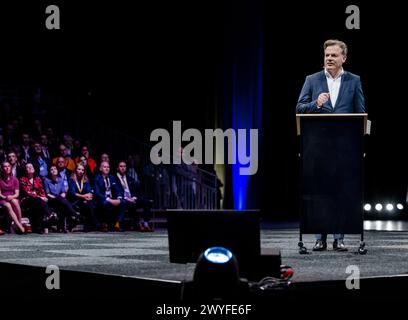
362,249
302,248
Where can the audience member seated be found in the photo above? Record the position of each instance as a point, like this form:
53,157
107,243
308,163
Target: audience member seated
109,198
56,194
16,170
68,141
9,193
104,158
133,199
40,163
82,160
46,149
69,163
34,199
53,142
76,150
90,161
81,197
63,172
25,147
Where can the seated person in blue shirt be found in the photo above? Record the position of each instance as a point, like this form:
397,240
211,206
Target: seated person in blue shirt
55,191
63,172
109,198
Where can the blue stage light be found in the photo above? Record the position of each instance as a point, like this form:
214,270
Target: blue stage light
218,255
216,275
245,75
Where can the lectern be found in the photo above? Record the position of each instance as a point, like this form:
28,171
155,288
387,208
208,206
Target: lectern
331,174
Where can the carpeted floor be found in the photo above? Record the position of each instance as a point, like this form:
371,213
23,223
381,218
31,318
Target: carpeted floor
146,254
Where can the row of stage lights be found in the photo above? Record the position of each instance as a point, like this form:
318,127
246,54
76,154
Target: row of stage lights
379,207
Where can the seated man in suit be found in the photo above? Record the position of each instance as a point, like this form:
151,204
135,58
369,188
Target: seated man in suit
109,198
332,90
41,164
133,199
16,169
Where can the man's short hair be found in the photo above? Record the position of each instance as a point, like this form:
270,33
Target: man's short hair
103,162
333,42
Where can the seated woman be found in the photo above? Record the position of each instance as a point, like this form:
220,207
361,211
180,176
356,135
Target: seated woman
34,198
88,172
80,195
9,193
55,191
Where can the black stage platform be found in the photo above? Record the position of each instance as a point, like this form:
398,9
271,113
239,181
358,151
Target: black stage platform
133,265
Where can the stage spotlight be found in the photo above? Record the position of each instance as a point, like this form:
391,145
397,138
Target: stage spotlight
218,255
216,275
400,206
378,207
389,207
367,207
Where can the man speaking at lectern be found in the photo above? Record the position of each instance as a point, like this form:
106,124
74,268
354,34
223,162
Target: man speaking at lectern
332,90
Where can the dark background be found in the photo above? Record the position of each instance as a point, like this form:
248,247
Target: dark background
165,61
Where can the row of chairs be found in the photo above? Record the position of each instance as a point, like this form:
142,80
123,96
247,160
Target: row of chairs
51,222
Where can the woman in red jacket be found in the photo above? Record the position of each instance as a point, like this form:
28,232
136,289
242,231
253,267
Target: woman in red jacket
34,198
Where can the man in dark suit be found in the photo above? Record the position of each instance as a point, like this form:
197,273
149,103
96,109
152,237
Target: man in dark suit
133,198
41,164
109,198
332,90
16,169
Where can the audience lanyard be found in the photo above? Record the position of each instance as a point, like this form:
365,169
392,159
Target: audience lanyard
80,187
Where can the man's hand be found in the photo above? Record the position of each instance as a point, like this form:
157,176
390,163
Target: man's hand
131,200
323,97
114,202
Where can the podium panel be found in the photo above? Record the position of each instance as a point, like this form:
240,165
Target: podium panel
331,185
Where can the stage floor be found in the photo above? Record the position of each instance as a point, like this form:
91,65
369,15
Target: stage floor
145,255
